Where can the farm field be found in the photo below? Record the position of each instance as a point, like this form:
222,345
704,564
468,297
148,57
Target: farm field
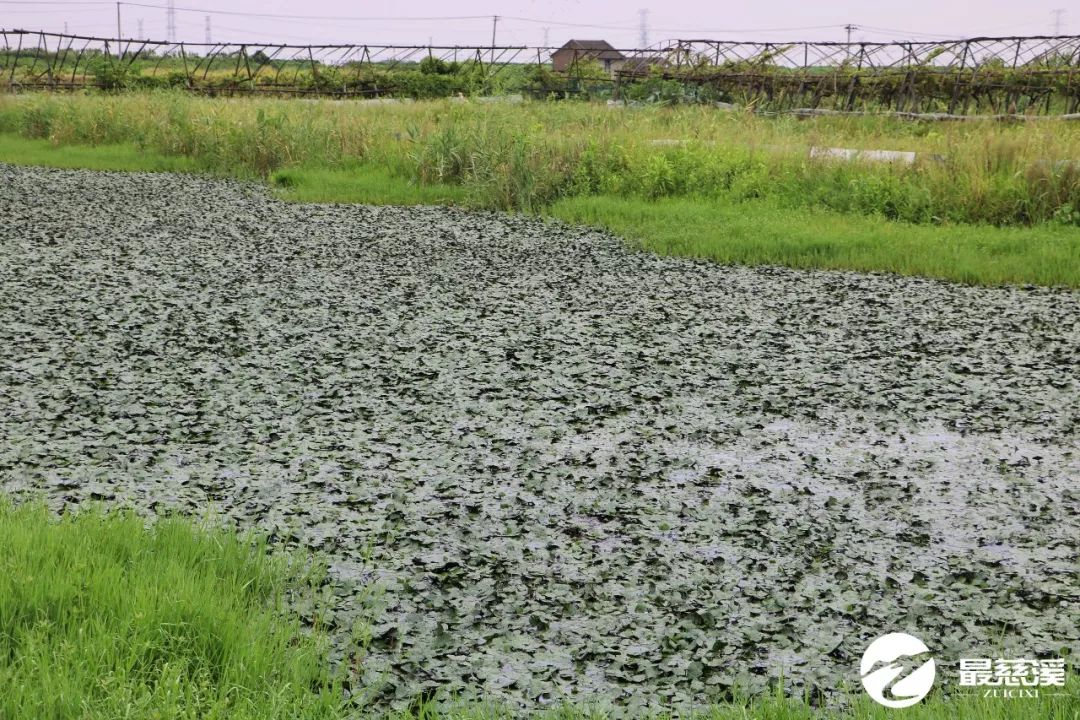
983,202
544,466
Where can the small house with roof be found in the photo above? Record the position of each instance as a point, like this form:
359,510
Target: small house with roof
575,51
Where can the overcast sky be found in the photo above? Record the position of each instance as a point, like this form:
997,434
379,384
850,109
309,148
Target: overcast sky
527,22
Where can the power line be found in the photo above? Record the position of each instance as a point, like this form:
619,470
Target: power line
61,2
236,13
171,6
246,32
909,33
669,29
51,12
249,36
642,27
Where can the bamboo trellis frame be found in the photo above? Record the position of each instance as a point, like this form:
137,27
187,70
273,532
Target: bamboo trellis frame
1032,75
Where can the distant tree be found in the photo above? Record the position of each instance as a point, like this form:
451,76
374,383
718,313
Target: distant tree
588,69
540,81
437,66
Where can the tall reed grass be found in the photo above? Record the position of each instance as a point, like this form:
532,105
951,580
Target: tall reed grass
528,156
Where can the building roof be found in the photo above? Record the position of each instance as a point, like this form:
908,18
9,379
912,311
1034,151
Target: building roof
599,49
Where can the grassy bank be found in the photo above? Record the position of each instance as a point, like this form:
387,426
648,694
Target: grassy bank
101,617
747,231
986,203
526,156
765,232
120,157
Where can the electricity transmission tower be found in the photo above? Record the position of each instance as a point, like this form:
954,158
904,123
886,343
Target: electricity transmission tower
643,28
209,36
139,25
170,20
1059,26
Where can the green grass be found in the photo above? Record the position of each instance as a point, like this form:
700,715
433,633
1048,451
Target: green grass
526,156
126,156
763,232
368,185
754,232
103,618
719,227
